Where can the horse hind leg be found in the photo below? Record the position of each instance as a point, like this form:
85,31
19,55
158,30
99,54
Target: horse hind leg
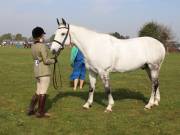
105,80
157,93
153,73
151,100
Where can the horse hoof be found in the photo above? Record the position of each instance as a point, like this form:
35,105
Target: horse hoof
156,103
108,110
147,107
86,106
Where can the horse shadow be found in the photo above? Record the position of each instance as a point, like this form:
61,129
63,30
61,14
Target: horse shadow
99,96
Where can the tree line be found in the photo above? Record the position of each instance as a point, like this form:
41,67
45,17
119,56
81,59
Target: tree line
19,37
9,36
151,29
158,31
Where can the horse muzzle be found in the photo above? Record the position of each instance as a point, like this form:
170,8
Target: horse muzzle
54,51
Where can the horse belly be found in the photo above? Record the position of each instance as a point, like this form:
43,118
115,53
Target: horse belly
129,60
128,65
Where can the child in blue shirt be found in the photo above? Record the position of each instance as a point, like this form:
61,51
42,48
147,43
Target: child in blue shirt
79,70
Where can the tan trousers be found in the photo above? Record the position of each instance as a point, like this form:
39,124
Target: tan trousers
42,84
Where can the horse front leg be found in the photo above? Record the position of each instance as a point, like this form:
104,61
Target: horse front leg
105,79
92,79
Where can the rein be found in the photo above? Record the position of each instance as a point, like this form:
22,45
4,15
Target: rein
55,83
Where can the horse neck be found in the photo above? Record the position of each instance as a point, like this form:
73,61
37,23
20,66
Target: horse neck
81,37
81,33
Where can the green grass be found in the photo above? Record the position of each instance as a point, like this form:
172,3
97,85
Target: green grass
130,90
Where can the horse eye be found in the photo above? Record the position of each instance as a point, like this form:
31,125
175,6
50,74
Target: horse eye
62,34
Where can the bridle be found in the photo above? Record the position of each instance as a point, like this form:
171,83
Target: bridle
65,38
55,82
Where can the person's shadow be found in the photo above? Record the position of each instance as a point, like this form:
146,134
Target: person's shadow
99,97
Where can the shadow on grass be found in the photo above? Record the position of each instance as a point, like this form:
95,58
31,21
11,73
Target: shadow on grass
99,97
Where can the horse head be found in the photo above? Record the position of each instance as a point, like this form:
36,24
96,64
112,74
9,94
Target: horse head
62,37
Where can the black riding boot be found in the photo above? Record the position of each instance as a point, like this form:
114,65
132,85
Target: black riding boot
41,107
31,109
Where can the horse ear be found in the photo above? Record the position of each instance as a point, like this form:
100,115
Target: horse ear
63,21
58,21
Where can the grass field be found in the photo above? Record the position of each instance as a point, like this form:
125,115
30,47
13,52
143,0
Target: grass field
131,92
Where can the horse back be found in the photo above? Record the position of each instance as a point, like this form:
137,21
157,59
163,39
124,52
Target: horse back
134,53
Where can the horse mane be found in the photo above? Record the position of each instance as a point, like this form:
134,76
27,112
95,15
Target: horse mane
86,29
95,32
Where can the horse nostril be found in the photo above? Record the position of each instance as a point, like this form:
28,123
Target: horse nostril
53,51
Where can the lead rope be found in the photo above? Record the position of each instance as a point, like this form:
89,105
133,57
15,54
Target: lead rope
55,82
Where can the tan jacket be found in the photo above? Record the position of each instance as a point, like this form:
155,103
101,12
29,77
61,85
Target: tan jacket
41,60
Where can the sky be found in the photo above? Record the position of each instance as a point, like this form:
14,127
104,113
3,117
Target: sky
123,16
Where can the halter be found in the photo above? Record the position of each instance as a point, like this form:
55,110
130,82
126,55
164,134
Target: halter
62,44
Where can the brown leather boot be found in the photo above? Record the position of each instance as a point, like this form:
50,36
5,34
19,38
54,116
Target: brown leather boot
41,107
31,109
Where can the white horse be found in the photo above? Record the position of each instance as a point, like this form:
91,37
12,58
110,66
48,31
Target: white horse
104,54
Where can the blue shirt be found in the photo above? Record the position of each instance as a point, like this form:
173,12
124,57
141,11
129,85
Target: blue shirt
79,57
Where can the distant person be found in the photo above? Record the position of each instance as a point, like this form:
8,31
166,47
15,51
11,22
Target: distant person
42,73
79,70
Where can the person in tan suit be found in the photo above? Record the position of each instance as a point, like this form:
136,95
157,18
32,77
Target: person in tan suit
42,72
